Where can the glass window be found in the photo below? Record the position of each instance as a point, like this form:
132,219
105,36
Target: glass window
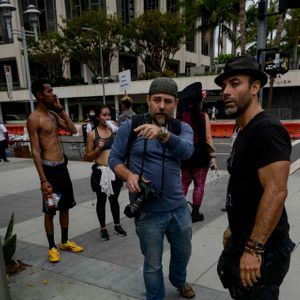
172,6
125,9
97,4
190,43
204,43
150,4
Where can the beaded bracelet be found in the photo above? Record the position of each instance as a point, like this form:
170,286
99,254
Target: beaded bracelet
254,247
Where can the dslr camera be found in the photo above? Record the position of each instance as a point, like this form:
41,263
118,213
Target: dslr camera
147,193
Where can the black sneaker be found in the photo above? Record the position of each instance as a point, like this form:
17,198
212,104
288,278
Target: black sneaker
120,231
197,217
187,291
104,234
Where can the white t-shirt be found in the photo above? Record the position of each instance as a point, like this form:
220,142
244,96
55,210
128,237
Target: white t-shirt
89,128
3,130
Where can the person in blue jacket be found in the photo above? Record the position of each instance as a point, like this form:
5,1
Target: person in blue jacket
154,160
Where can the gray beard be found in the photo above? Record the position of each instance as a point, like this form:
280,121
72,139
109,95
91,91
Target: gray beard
160,120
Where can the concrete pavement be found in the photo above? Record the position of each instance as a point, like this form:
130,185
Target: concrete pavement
112,269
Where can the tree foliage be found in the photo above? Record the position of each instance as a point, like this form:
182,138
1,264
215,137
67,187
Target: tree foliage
85,45
50,52
213,13
155,37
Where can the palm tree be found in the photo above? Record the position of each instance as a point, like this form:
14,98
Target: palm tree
292,36
242,15
213,13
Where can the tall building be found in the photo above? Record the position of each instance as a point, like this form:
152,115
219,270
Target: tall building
193,53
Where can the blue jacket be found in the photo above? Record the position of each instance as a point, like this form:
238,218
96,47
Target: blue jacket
177,148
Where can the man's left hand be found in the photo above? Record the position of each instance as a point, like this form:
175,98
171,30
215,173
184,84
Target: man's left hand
250,269
148,131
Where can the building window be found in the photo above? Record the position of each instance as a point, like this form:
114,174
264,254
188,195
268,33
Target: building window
125,10
173,65
172,6
97,4
190,43
150,4
75,8
204,43
68,7
188,66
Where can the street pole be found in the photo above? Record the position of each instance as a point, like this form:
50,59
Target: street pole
101,60
261,38
27,68
102,69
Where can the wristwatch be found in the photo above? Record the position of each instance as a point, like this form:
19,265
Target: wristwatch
163,133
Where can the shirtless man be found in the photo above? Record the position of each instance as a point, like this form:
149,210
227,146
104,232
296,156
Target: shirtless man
51,164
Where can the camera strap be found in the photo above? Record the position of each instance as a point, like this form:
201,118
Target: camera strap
163,166
143,159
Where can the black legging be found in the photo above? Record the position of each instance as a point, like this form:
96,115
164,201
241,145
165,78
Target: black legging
113,201
2,150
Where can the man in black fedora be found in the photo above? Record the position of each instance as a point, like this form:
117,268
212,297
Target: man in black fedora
257,246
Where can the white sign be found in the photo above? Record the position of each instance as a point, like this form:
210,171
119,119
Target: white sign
9,82
125,80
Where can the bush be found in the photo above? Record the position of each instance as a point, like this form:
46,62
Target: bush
10,242
155,74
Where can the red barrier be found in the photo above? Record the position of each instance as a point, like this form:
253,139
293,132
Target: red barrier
218,129
222,129
17,129
225,129
293,129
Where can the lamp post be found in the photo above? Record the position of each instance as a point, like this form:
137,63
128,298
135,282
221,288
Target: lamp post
101,60
33,14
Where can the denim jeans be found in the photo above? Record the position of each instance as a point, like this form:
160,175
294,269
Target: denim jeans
151,229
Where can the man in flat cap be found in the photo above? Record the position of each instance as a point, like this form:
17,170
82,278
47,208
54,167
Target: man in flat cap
126,109
257,246
154,163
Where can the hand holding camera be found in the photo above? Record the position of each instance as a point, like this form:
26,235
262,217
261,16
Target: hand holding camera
147,193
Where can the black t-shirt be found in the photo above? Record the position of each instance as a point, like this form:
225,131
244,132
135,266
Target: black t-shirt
263,141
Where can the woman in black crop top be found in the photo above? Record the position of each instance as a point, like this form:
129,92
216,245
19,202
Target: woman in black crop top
99,143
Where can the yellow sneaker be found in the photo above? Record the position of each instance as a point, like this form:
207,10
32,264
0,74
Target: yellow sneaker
70,246
53,255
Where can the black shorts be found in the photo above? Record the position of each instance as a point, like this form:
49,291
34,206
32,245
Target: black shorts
59,178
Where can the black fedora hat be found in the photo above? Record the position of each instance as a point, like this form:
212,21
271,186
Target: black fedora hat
246,65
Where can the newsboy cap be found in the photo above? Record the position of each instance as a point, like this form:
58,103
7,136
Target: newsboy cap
164,85
244,65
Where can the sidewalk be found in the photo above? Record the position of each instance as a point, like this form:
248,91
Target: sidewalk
109,270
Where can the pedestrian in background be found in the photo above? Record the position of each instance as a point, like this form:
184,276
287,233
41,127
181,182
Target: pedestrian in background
103,181
195,168
3,142
257,246
152,176
126,109
51,164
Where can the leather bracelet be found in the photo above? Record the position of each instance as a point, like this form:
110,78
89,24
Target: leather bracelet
44,181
